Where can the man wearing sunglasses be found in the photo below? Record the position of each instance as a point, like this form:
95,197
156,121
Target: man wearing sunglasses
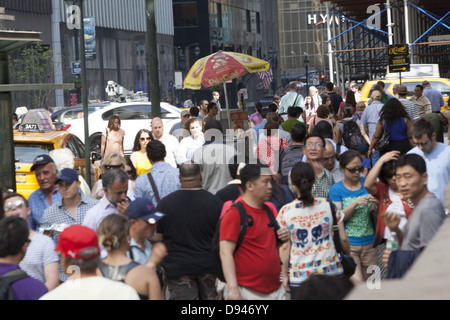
45,171
435,154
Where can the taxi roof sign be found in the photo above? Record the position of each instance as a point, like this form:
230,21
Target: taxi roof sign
36,120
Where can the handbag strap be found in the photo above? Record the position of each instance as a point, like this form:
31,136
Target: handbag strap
155,189
336,237
106,141
295,99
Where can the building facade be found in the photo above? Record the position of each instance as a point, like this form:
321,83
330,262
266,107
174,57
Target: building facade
203,27
118,42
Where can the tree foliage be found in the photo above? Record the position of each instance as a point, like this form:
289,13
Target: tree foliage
34,65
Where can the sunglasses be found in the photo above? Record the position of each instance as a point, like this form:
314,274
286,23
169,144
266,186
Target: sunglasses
148,139
107,167
353,170
15,204
421,144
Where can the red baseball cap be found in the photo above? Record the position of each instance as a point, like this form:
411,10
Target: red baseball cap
78,242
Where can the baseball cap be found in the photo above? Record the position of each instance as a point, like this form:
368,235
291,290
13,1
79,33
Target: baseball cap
376,94
78,242
41,159
144,209
185,113
67,175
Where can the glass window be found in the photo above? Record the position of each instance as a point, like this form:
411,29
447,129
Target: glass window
440,86
133,112
26,152
185,14
70,144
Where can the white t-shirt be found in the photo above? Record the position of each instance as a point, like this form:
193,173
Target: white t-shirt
92,288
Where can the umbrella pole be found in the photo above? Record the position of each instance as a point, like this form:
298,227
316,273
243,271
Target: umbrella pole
226,104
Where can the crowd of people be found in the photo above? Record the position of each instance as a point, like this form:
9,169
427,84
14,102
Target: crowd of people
302,213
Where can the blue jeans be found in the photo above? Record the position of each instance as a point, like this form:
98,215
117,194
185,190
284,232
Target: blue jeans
375,157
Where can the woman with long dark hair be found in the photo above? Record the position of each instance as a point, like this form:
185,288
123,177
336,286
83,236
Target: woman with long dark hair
395,120
139,156
352,198
349,99
311,249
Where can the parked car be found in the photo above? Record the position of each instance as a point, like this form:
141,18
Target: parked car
133,116
32,139
65,115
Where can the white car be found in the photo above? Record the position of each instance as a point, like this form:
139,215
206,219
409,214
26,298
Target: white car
134,116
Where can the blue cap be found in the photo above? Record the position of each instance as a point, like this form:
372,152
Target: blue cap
144,209
67,175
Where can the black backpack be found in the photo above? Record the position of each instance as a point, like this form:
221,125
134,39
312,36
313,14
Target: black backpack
5,283
246,221
352,135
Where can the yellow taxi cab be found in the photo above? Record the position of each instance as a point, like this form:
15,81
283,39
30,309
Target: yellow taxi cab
417,75
36,135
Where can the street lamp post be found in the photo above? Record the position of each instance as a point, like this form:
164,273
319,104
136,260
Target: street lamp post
273,58
306,61
153,76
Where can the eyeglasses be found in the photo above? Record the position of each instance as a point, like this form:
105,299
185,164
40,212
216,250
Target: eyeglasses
317,145
353,170
329,158
107,167
421,144
147,138
14,204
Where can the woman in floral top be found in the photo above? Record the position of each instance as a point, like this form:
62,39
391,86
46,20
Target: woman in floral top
310,221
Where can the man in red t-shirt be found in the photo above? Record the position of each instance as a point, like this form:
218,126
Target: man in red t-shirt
253,270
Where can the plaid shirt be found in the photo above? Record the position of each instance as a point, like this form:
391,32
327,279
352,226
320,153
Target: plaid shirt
323,184
58,214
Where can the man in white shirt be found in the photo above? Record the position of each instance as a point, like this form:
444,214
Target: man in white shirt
291,99
436,155
115,200
169,141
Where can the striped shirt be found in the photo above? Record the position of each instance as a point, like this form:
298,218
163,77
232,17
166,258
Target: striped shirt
410,108
40,252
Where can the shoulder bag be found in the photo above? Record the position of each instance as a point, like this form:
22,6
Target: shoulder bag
382,143
347,261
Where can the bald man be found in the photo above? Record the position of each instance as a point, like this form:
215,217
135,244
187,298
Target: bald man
330,162
169,141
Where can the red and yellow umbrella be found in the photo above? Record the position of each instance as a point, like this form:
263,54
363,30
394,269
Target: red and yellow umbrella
221,67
